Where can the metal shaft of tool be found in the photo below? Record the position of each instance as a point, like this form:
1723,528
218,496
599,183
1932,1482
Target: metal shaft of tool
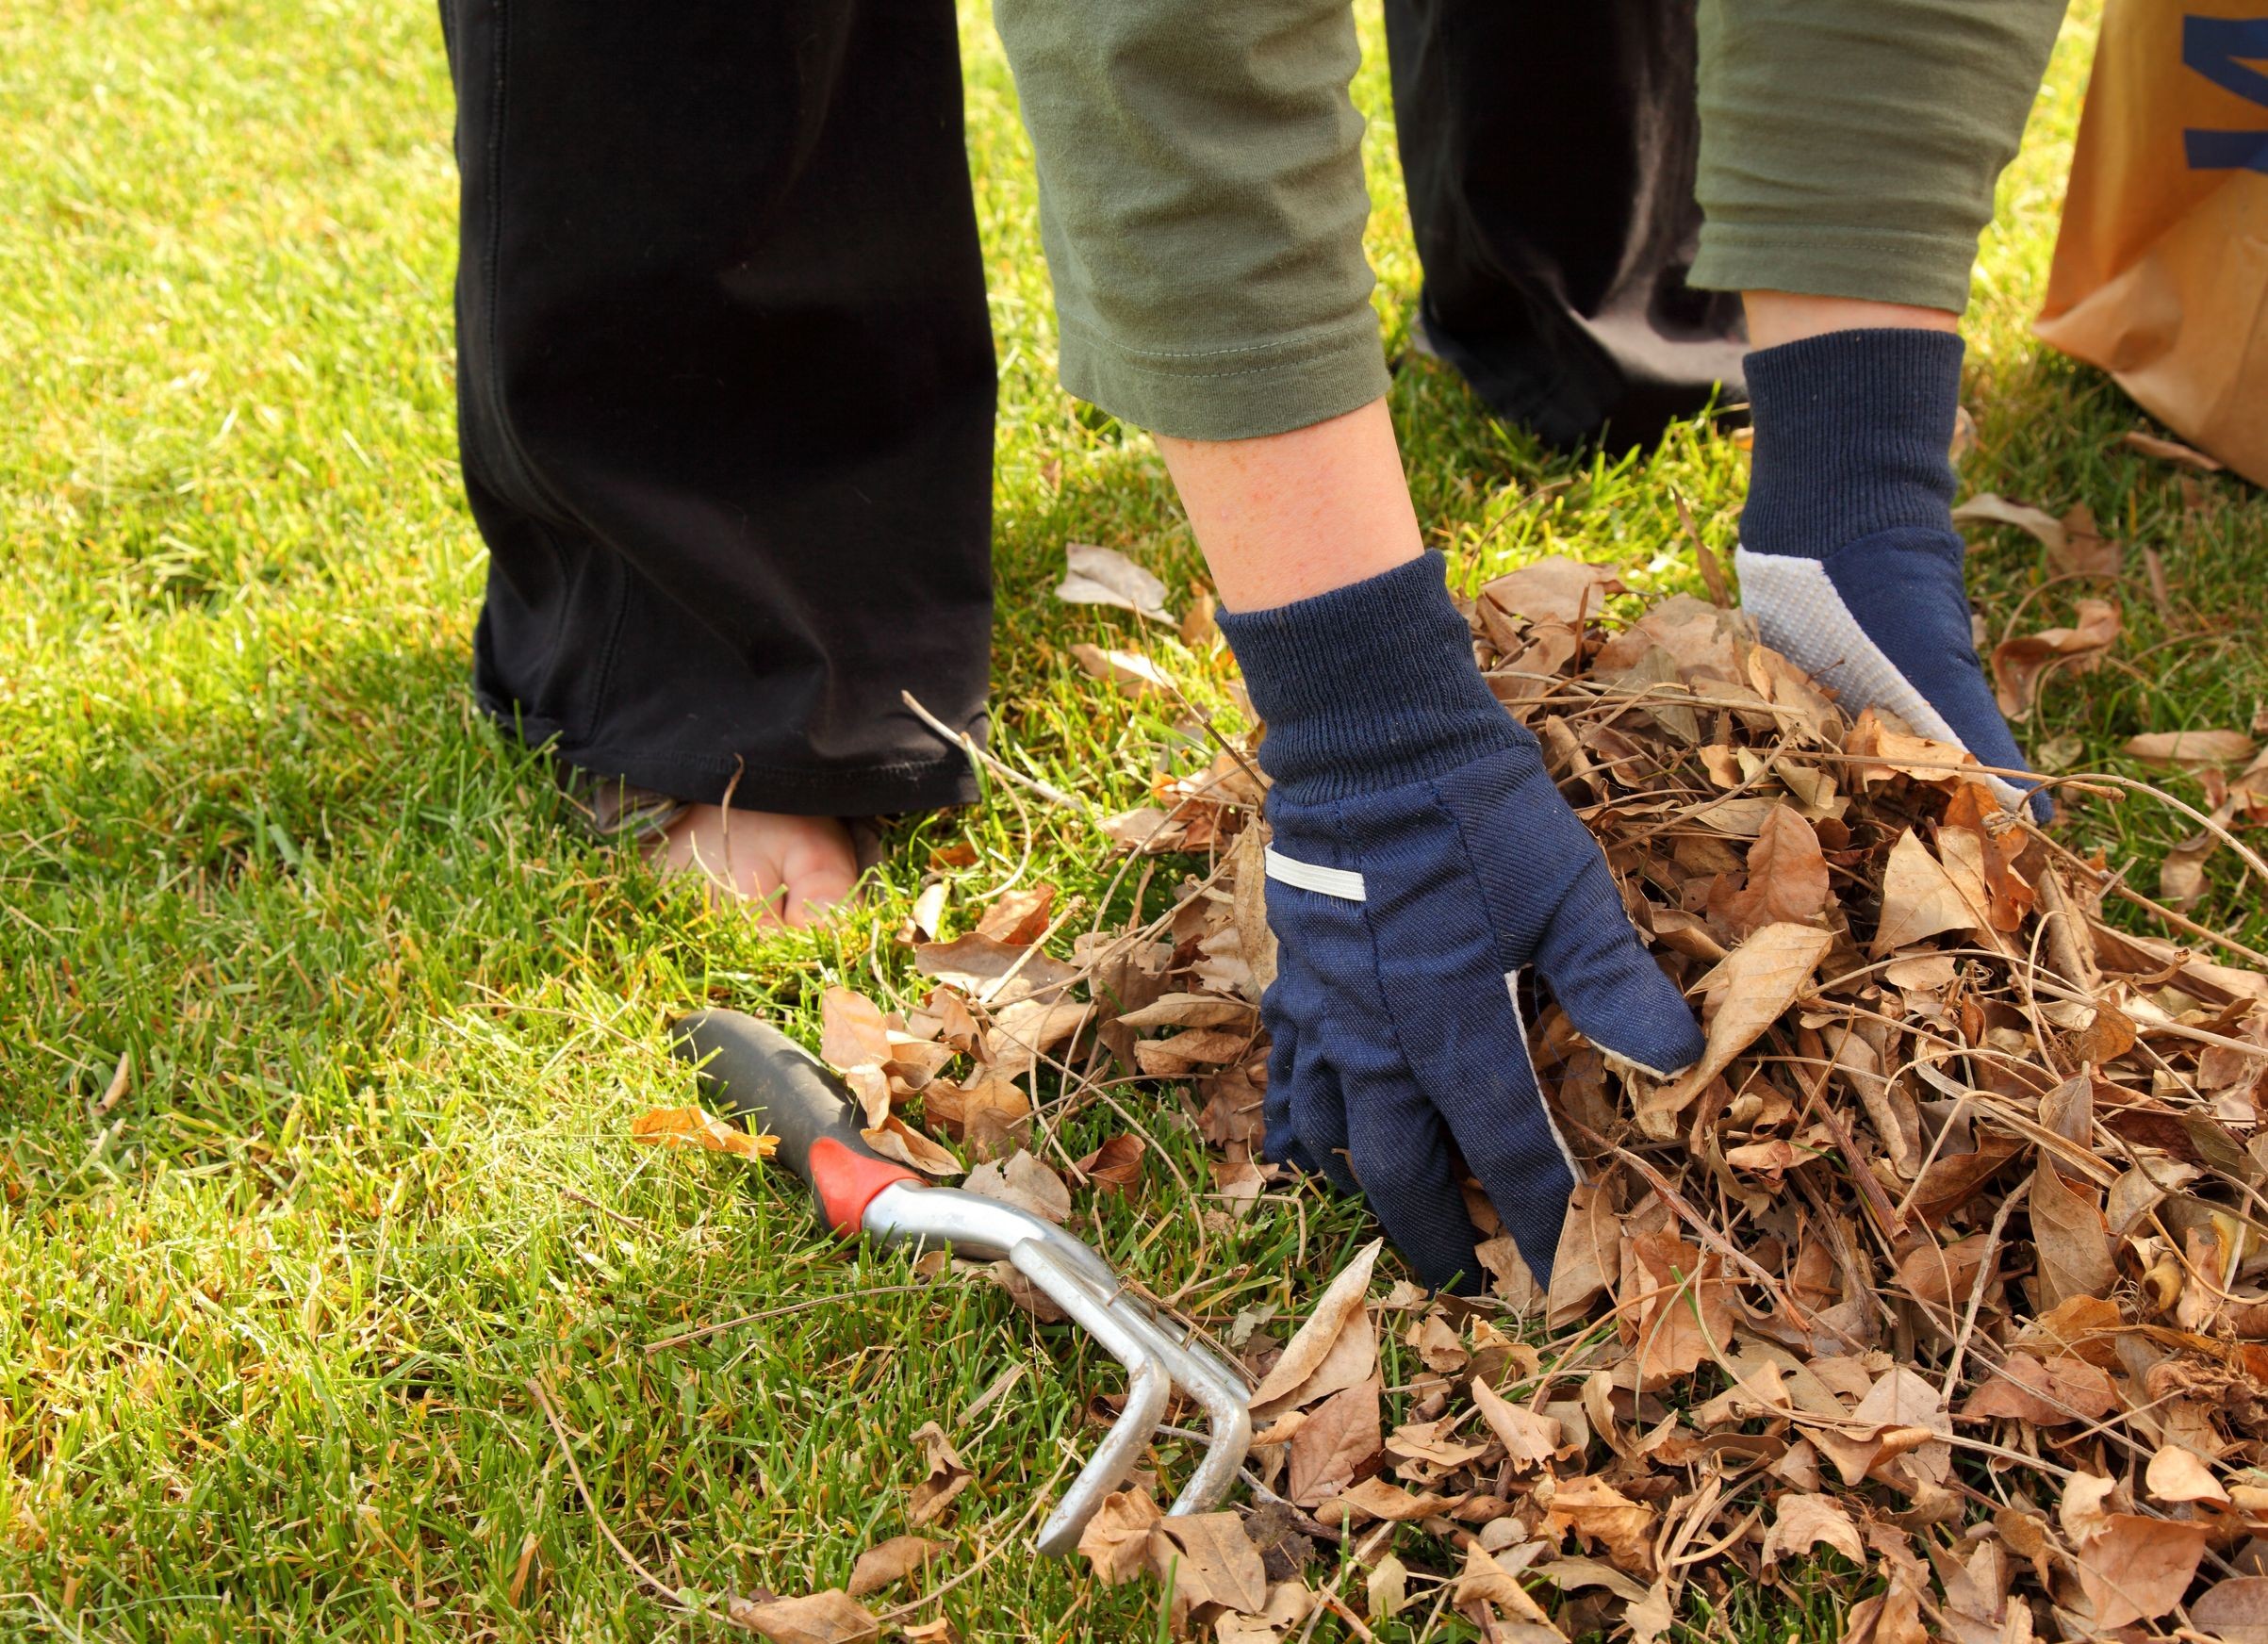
1082,1283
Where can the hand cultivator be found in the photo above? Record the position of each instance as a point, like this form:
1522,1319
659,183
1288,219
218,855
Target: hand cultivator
753,1070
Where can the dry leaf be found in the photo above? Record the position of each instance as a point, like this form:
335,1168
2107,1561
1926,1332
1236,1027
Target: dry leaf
1920,899
2019,665
1129,670
2177,1474
1787,877
1209,1560
1338,1310
833,1617
2193,749
1019,917
1529,1439
1985,508
692,1127
1104,576
1194,1010
1116,1165
2134,1568
1116,1540
2171,450
1339,1437
2073,1240
1758,980
897,1141
946,1477
1386,1590
1022,1181
1554,589
1597,1511
1381,1499
1802,1522
891,1561
2234,1611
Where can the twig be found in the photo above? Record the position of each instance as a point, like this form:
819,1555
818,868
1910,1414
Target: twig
1984,1274
977,756
567,1451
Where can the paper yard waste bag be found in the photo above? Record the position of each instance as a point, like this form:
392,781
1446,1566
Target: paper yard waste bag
2161,273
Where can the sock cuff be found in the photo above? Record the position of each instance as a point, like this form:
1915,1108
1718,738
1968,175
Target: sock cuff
1367,686
1852,434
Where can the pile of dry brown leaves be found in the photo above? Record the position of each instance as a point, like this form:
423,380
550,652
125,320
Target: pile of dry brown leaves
1948,1256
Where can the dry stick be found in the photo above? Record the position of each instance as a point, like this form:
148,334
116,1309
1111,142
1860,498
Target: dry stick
2118,886
567,1451
978,756
723,1325
1984,1273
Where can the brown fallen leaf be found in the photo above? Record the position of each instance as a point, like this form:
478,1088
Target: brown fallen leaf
946,1476
1597,1511
1018,917
855,1042
2073,1239
891,1561
1530,1439
1584,1266
2047,1394
1104,576
2171,450
974,963
1554,589
1787,877
894,1139
1802,1522
1193,1011
1022,1180
1381,1499
1985,508
1129,670
1337,1312
2193,749
1116,1540
2234,1610
692,1127
2134,1568
1920,899
1339,1436
1758,980
988,1114
2178,1474
1209,1560
1115,1167
2020,664
833,1617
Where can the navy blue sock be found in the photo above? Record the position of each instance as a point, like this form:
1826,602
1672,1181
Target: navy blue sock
1849,560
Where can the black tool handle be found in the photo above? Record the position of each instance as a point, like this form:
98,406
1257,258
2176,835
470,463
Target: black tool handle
752,1069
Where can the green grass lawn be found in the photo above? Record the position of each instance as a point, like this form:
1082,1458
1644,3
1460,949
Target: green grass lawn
323,1038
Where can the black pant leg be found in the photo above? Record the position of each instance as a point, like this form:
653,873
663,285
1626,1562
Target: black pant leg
725,388
1548,153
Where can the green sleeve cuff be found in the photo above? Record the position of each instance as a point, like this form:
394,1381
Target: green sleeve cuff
1927,271
1231,393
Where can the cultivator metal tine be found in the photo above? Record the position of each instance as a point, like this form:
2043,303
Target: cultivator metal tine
777,1086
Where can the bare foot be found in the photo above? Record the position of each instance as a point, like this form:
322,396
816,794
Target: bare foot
795,866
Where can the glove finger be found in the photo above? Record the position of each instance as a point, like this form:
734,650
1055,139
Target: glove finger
1479,1078
1404,1157
1609,984
1303,1112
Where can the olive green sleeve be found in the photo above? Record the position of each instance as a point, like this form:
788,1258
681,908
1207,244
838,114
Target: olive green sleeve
1849,148
1202,205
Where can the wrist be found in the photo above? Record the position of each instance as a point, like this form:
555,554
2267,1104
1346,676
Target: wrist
1367,686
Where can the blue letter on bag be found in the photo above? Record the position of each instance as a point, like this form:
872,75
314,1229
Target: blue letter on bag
2223,49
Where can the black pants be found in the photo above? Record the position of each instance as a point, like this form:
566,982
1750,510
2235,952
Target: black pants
724,374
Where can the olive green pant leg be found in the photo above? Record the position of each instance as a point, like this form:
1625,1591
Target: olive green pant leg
1202,205
1849,148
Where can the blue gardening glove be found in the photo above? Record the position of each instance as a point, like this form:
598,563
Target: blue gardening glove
1421,858
1849,560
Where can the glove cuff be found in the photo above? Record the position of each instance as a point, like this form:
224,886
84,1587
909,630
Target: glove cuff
1852,429
1367,686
